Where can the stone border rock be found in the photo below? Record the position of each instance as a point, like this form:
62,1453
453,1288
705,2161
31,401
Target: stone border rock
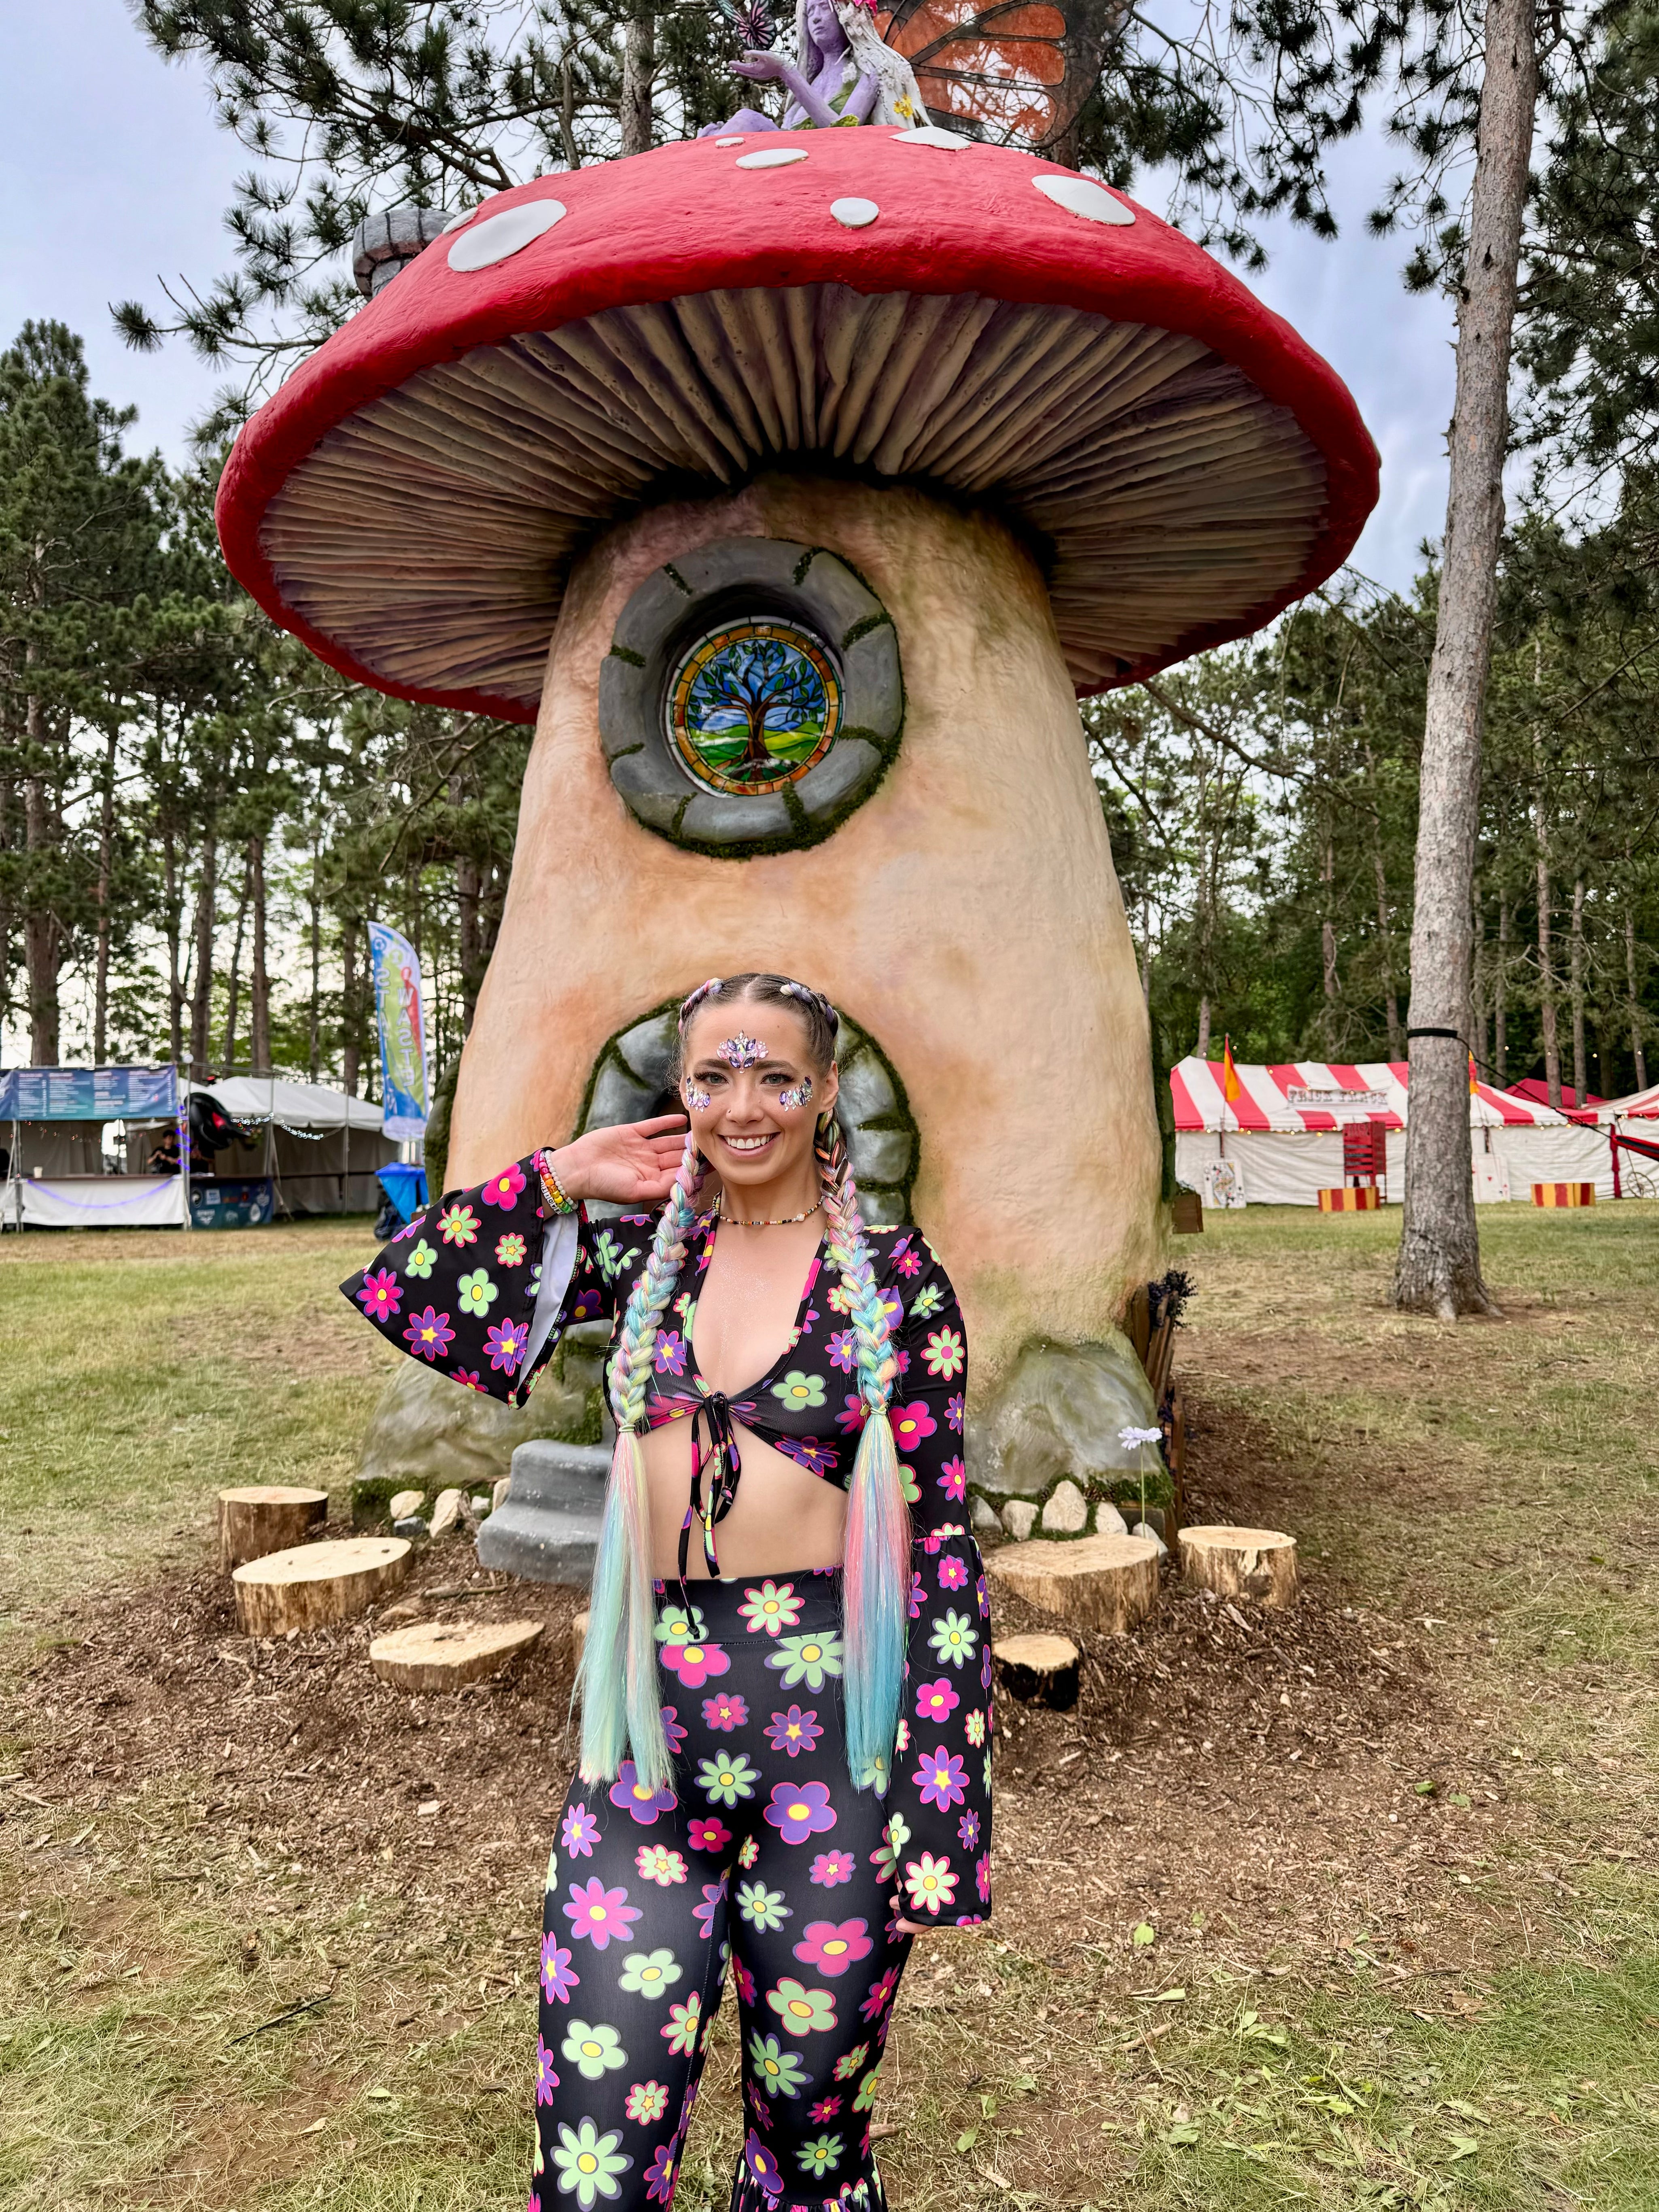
720,582
632,1074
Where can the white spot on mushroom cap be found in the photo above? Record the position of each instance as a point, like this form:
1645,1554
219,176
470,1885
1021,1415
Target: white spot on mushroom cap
1082,196
772,157
855,215
929,134
738,141
456,221
498,237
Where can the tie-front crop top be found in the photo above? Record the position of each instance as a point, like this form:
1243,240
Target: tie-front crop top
484,1284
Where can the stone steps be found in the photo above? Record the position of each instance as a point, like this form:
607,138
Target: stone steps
547,1527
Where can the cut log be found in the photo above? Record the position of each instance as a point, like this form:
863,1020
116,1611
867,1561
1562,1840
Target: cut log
318,1585
442,1655
264,1517
1039,1670
1103,1582
1253,1563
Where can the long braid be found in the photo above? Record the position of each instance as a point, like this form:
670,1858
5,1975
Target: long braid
877,1558
617,1678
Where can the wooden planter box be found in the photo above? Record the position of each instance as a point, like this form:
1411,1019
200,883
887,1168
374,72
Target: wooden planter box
1187,1213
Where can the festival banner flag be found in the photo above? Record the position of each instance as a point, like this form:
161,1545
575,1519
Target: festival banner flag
400,1009
1231,1088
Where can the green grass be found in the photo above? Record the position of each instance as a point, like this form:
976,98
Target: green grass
1489,1487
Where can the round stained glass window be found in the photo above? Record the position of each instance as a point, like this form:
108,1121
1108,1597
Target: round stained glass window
752,705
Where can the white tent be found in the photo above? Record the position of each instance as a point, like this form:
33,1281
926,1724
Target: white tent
319,1148
1283,1134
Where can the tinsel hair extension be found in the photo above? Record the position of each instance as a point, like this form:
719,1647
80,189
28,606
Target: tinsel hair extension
616,1681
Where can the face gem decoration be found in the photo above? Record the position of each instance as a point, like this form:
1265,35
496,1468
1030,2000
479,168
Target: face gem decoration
741,1051
698,1101
798,1096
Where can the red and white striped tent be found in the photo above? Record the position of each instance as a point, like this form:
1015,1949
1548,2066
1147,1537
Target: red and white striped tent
1283,1134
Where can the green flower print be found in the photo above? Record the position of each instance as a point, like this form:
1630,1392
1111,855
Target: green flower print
766,1607
458,1224
803,2011
909,1484
674,1627
684,2024
810,1659
847,2067
748,1852
588,2163
776,2068
927,1302
799,1390
866,2095
724,1780
552,1869
818,2156
649,1974
686,1307
611,1256
476,1293
762,1907
895,1837
944,1355
594,2051
874,1774
418,1265
976,1725
955,1640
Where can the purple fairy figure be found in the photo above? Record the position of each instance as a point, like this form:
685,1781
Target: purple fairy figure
845,73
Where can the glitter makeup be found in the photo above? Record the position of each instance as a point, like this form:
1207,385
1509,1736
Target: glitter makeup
741,1051
798,1096
698,1101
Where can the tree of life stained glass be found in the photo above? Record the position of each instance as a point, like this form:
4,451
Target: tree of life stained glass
752,705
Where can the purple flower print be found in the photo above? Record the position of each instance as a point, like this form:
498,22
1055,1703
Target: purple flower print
916,1596
506,1342
668,1357
953,1573
830,1869
671,1728
982,1877
580,1834
800,1810
763,2166
807,1451
936,1701
556,1977
725,1712
985,1668
380,1296
588,1306
708,1836
430,1334
833,1946
503,1189
659,2175
602,1915
631,1794
843,1351
695,1663
852,1413
703,1914
546,2079
954,1410
940,1778
795,1731
760,2110
953,1480
982,1592
967,1830
881,1995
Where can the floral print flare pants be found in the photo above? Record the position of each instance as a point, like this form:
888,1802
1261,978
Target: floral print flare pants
761,1851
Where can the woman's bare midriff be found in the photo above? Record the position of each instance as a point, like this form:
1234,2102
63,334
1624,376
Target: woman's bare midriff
783,1520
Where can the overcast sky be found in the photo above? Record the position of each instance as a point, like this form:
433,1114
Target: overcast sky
117,176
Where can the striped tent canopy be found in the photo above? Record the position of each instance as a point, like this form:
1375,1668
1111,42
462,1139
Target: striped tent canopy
1298,1097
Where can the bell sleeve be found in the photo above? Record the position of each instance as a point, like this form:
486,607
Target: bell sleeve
484,1284
939,1825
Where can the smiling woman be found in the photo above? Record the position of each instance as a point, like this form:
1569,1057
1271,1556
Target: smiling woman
785,1519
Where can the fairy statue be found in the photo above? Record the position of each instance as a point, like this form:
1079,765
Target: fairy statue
845,72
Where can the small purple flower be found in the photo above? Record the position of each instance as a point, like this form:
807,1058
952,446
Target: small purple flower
703,1914
807,1451
546,2079
795,1731
843,1351
669,1355
968,1831
556,1977
985,1668
953,1480
671,1728
982,1591
580,1834
430,1334
798,1810
659,2175
916,1595
940,1778
631,1794
953,1573
954,1409
505,1342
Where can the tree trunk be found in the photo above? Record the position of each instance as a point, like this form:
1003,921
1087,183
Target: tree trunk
639,69
469,889
1575,984
105,872
1328,945
1479,997
260,984
316,1038
1500,1011
233,991
1438,1269
200,1010
42,933
1202,1047
1547,1011
350,1017
1390,996
1638,1052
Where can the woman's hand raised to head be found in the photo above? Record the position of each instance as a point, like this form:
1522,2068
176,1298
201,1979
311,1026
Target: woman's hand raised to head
633,1163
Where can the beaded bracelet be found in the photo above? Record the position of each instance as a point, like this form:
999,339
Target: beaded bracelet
552,1189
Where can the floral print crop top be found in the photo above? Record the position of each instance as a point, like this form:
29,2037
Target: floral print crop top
483,1285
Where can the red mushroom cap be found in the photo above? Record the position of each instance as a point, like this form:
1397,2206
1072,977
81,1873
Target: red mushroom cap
411,501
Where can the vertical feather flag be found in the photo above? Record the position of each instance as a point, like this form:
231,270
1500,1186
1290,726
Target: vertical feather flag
1230,1085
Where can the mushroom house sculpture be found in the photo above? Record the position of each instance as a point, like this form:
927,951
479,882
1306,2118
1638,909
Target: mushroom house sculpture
796,484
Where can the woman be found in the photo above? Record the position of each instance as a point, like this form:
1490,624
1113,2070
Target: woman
847,73
785,1686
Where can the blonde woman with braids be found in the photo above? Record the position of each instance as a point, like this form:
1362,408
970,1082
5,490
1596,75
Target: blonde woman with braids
786,1687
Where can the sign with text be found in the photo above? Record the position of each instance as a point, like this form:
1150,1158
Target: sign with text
1308,1100
400,1010
87,1094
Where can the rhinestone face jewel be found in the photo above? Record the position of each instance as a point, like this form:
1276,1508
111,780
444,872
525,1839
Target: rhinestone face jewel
741,1051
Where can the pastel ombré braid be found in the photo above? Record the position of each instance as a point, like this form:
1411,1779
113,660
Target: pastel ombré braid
617,1678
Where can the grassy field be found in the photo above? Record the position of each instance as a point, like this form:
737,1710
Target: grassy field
1409,1960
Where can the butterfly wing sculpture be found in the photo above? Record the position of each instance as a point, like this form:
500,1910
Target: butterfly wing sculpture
1011,70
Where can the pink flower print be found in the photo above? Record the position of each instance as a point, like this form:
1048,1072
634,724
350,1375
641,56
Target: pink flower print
843,1351
968,1831
430,1334
982,1877
703,1914
833,1946
825,2109
725,1712
379,1296
671,1728
556,1977
982,1592
798,1810
668,1353
853,1414
916,1595
458,1224
695,1663
940,1778
744,1980
953,1480
707,1835
953,1573
795,1731
936,1701
881,1995
506,1342
503,1189
906,1260
830,1869
632,1794
659,2175
546,2079
603,1916
954,1410
911,1424
764,2168
580,1834
468,1379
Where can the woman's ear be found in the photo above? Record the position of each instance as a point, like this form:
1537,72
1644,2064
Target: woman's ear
826,1092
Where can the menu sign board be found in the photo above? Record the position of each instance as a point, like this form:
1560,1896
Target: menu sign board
88,1094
